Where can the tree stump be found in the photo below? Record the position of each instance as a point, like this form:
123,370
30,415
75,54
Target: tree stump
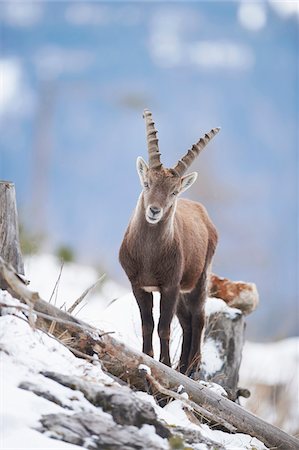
223,345
10,249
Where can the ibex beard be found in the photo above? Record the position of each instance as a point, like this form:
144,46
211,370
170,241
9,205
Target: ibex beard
168,247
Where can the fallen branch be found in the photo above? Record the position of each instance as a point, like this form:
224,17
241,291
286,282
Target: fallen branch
123,362
190,404
51,318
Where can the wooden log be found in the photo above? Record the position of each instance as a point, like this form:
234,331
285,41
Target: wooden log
9,233
123,362
236,294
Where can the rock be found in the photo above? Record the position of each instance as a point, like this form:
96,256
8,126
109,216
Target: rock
42,392
98,431
123,421
121,402
236,294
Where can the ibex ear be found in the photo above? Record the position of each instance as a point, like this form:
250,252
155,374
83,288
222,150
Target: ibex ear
142,169
187,181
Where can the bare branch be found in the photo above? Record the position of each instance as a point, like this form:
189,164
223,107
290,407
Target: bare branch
85,293
190,404
26,308
55,289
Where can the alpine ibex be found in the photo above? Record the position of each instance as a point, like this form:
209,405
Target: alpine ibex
168,247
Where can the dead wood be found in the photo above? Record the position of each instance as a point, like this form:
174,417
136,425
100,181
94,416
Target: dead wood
190,404
9,231
225,328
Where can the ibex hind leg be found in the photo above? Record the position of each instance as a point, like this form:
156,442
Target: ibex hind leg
196,305
184,317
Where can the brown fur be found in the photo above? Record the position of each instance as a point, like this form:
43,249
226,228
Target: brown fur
173,255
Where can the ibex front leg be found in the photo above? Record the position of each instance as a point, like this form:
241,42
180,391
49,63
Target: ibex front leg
169,297
145,303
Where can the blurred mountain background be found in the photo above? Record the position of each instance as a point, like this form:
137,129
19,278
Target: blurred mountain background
74,80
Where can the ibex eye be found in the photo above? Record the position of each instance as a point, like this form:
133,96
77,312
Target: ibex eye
146,185
175,193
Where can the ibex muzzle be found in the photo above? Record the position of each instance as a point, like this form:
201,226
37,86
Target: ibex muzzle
168,247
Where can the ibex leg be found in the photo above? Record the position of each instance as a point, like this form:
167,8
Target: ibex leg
167,308
145,303
196,303
185,320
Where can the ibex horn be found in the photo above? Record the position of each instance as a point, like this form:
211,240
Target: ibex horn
193,152
152,141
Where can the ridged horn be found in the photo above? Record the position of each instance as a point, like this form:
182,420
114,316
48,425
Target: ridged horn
152,141
194,151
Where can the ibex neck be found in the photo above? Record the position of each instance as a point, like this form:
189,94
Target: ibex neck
164,228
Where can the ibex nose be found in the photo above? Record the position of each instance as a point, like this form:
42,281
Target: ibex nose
154,210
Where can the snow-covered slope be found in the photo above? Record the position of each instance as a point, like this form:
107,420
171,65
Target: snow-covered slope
26,354
270,371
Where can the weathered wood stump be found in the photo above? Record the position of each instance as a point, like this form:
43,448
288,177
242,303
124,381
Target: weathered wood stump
10,249
224,338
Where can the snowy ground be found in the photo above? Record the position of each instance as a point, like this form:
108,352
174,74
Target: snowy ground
24,353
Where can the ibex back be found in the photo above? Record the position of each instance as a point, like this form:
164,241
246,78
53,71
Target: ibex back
168,247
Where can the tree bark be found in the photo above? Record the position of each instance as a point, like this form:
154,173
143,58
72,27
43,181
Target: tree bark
225,329
123,362
9,233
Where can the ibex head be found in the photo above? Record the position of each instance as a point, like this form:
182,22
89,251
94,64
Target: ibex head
161,186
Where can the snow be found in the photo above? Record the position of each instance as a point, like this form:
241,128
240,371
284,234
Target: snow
214,305
145,368
211,356
24,353
214,387
43,272
149,430
235,441
182,392
176,414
